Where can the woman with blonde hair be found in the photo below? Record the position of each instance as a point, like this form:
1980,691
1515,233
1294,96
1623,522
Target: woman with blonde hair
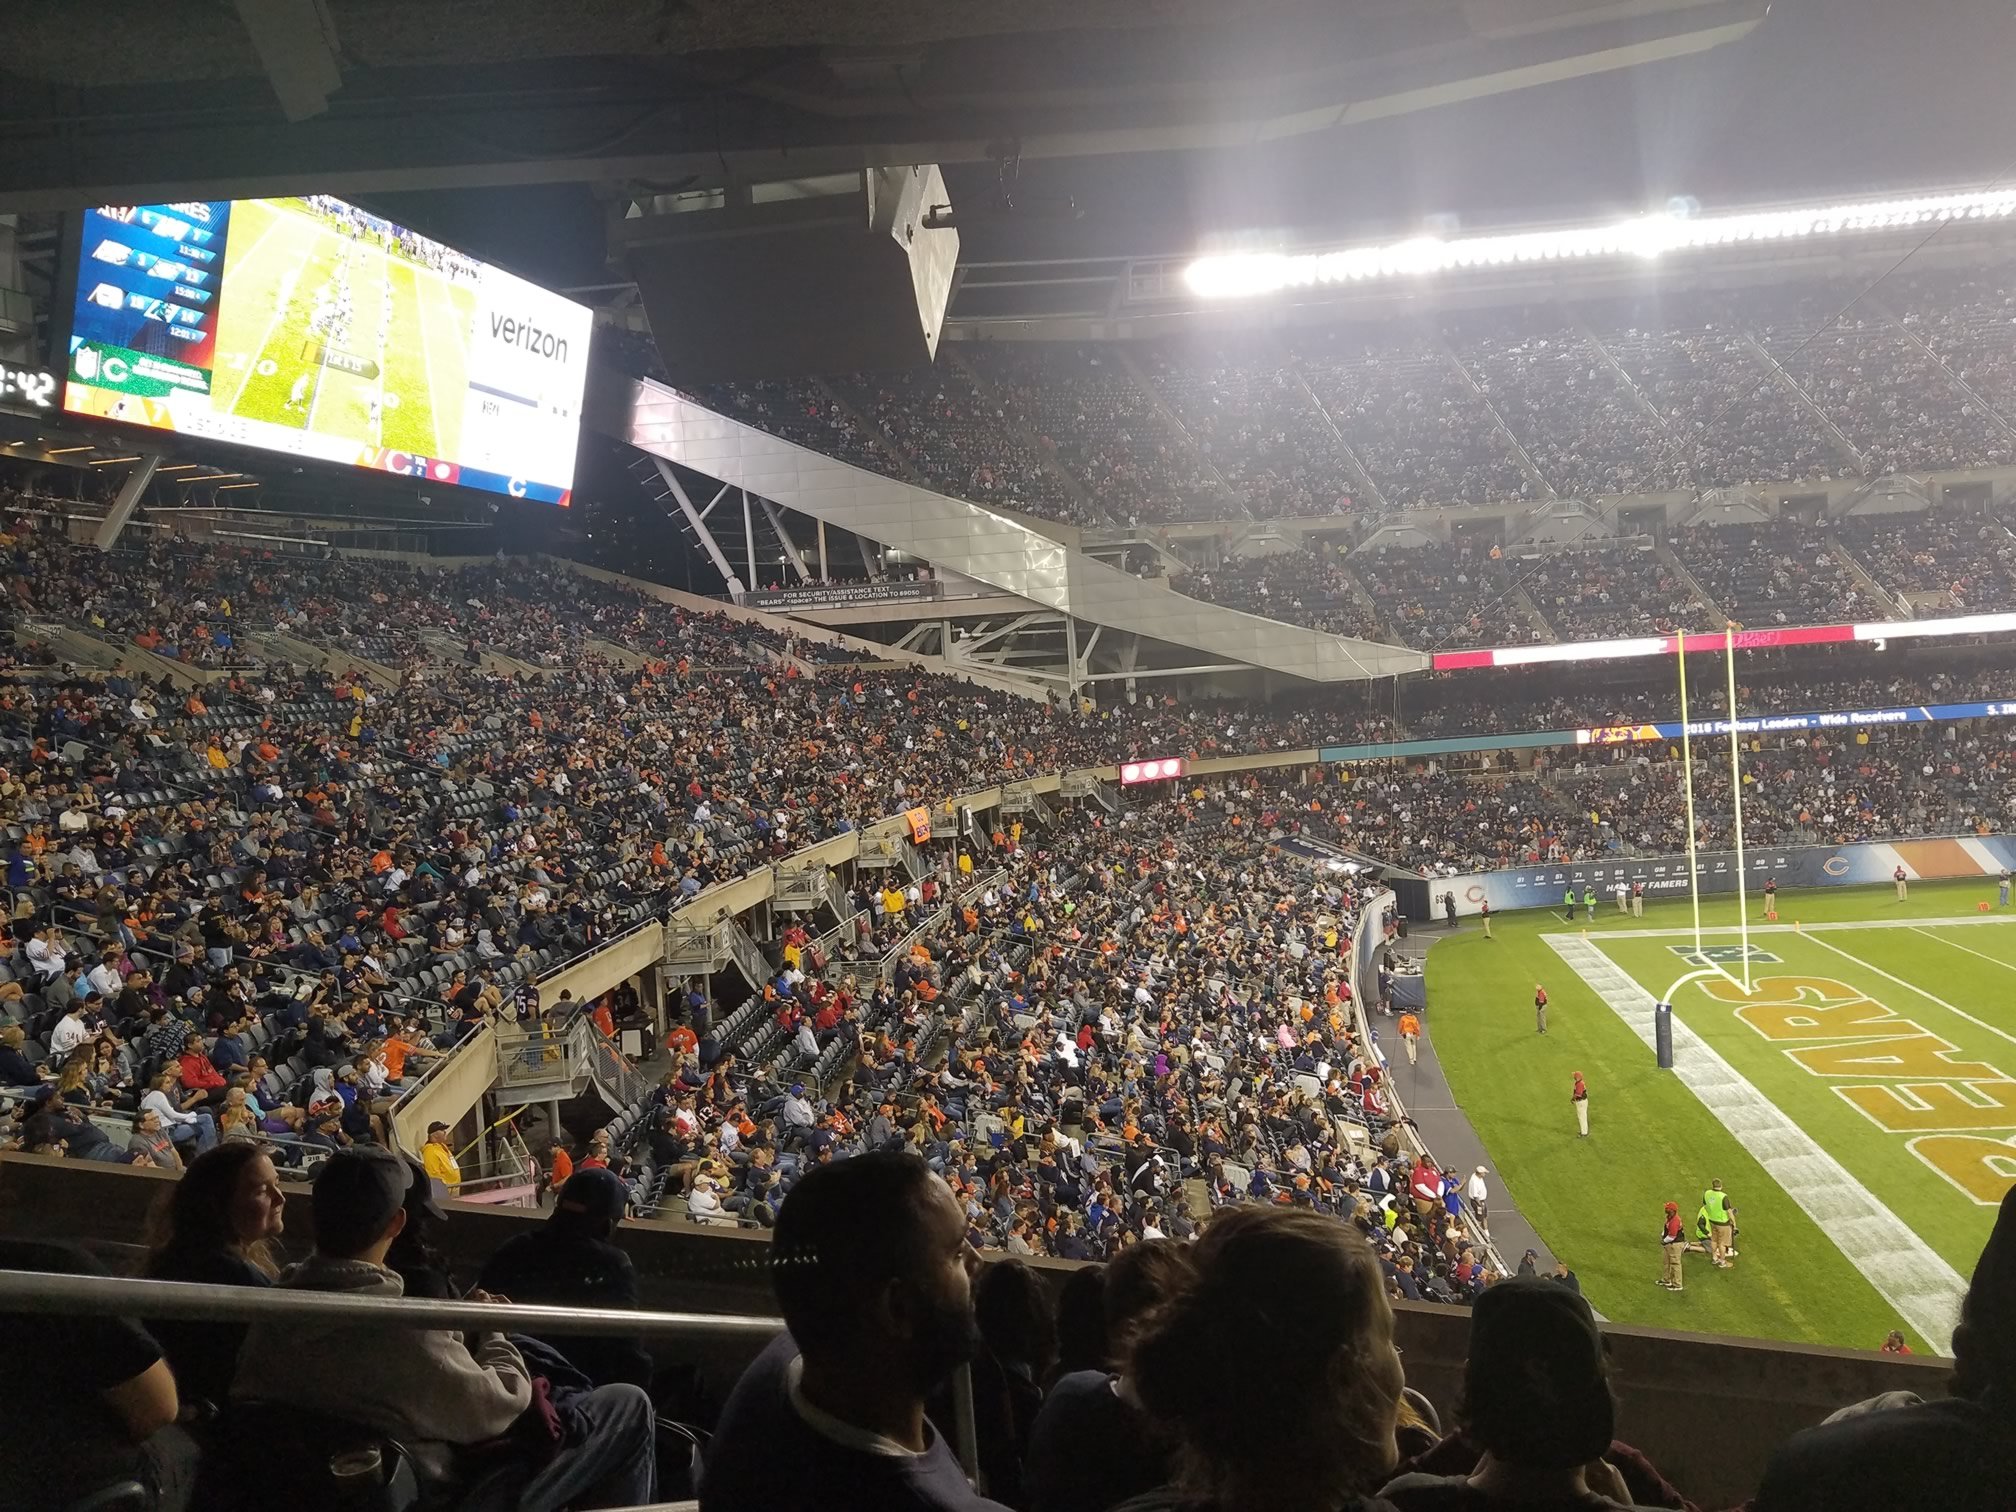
235,1119
73,1082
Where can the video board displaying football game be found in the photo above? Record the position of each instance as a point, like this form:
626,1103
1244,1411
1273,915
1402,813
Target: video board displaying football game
311,327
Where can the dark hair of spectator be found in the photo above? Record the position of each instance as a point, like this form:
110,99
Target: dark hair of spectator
1140,1279
846,1229
1274,1367
1536,1385
1984,1343
1081,1322
1011,1305
195,1213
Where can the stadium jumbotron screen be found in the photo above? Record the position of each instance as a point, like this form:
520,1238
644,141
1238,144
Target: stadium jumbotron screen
310,327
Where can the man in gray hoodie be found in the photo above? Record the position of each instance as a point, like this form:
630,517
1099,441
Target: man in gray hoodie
419,1384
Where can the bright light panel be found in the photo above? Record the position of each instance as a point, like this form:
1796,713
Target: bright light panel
1243,275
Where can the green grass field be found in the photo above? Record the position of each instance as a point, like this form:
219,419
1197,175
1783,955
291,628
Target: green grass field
1597,1201
407,322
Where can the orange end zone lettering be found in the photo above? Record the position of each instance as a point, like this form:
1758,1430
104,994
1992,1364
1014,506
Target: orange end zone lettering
1936,1107
1908,1055
1984,1169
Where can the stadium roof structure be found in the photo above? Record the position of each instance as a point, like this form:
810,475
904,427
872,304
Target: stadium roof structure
1117,298
150,104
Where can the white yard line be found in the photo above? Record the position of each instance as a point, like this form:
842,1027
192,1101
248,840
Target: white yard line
426,362
1907,1273
1993,960
1757,929
279,308
1913,987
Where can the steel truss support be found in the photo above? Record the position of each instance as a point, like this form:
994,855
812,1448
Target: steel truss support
1169,671
123,506
698,520
784,541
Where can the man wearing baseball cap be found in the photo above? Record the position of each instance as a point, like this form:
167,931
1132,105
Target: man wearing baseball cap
417,1384
442,1167
1672,1245
568,1261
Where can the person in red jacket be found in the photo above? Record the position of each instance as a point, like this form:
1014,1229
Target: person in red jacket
1539,1008
198,1074
1672,1245
1580,1097
1425,1187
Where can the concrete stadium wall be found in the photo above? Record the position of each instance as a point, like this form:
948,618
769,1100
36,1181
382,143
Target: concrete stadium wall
450,1092
1708,1410
613,965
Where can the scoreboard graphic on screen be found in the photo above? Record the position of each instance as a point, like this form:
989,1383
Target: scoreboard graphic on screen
311,327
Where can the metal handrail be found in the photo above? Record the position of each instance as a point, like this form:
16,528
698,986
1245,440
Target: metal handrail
42,1293
100,1296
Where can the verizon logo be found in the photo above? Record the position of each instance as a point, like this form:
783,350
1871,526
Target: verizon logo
513,331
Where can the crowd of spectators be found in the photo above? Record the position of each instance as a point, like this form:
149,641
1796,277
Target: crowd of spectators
1808,788
1095,997
1971,559
1255,421
1086,1027
1422,430
1689,391
1106,430
1439,597
1576,415
1895,401
1783,572
1143,1385
958,441
804,414
1963,317
1610,592
1815,788
1308,585
1733,421
1516,700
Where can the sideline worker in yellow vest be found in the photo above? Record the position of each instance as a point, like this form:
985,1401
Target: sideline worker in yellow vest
1721,1224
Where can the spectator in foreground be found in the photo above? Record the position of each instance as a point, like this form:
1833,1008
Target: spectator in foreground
1093,1446
1536,1401
216,1225
1018,1342
1082,1344
98,1408
570,1261
418,1384
873,1273
1958,1455
1273,1369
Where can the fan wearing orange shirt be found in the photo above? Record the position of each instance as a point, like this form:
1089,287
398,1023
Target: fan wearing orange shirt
1410,1035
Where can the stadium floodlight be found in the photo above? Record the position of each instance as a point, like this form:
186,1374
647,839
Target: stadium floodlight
1246,274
